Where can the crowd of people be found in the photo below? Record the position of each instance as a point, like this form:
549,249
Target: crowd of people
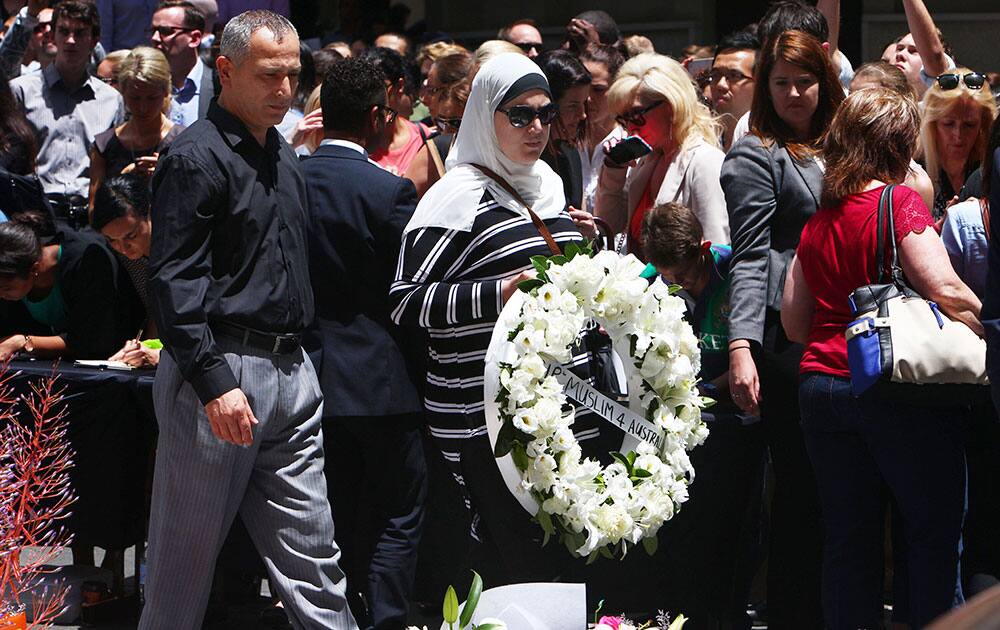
323,240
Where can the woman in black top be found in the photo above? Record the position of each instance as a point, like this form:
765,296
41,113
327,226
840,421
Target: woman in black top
135,146
570,84
62,296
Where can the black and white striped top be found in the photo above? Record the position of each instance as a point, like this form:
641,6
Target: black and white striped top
448,282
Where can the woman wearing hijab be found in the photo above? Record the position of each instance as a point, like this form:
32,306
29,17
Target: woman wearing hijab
464,251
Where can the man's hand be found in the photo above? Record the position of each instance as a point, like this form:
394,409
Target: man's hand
231,418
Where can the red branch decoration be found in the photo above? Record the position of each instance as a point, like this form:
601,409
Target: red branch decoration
35,492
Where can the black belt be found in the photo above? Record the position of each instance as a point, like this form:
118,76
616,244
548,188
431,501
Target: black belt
285,343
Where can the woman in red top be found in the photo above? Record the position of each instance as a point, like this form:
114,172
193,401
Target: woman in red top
867,449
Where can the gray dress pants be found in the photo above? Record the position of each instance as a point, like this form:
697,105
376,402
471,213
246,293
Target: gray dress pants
276,484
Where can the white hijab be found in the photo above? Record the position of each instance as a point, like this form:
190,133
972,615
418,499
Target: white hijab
451,203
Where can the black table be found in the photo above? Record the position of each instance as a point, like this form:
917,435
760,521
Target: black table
112,432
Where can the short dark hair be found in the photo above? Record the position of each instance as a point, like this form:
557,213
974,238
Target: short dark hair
671,235
194,18
738,40
792,15
79,10
119,196
607,28
20,248
563,71
388,62
323,60
350,88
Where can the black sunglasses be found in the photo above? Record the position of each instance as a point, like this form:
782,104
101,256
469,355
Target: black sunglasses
166,32
522,115
637,117
527,46
972,80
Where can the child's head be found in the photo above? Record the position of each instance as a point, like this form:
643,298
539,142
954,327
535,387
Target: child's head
672,241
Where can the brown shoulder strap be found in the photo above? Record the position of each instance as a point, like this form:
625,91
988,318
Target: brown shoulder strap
539,224
984,208
435,156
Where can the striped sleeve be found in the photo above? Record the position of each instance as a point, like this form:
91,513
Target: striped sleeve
422,294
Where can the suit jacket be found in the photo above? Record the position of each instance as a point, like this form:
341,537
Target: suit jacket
367,365
691,179
770,197
206,91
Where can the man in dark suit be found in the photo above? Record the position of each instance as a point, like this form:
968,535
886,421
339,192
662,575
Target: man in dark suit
373,411
177,29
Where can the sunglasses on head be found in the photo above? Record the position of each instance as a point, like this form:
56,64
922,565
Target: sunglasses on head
523,115
636,117
972,80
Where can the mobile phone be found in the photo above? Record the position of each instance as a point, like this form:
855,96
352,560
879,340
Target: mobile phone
696,66
631,148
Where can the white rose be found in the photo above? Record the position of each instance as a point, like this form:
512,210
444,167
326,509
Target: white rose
563,440
532,365
529,340
525,421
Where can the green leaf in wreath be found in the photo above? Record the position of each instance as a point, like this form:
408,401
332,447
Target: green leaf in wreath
606,553
505,439
519,455
540,263
572,250
489,626
650,544
450,607
475,590
518,328
593,556
641,473
631,459
528,286
545,520
624,461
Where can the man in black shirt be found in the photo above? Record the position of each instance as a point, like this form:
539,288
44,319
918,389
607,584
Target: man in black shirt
237,401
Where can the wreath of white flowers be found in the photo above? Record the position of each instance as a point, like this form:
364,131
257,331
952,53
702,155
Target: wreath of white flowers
598,510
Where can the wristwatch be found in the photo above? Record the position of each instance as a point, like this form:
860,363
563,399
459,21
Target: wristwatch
28,346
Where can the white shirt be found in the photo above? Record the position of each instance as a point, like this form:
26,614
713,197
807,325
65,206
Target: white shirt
354,146
592,161
185,101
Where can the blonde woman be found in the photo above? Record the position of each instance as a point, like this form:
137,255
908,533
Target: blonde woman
958,111
144,80
653,98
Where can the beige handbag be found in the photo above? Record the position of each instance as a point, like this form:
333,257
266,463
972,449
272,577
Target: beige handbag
902,345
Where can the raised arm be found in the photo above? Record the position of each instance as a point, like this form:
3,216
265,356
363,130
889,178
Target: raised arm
925,36
831,11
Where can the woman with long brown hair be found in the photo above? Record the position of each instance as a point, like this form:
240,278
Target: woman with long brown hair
772,180
867,449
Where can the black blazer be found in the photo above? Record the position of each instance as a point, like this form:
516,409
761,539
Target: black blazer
770,196
367,365
103,307
206,91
